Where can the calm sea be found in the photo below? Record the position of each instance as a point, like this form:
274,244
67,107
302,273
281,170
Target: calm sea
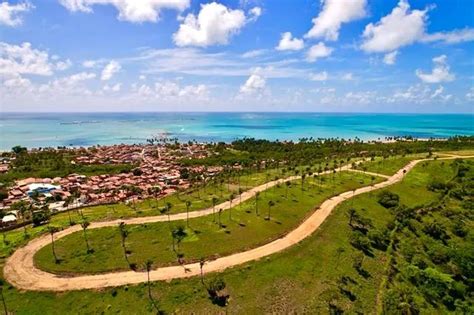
85,129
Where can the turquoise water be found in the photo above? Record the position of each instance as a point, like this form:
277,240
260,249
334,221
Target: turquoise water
85,129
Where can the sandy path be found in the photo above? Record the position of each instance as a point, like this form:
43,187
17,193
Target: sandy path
20,271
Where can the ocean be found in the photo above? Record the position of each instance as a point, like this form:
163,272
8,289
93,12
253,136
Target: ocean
86,129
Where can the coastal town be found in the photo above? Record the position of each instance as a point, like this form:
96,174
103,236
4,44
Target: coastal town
156,173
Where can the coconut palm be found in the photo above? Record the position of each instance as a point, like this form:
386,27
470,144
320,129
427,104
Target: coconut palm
303,177
178,234
123,235
52,230
214,202
148,265
85,224
257,194
23,212
188,205
201,265
287,184
270,205
231,197
220,212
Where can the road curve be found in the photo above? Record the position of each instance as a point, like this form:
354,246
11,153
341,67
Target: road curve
21,272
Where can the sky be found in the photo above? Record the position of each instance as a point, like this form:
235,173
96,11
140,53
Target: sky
237,55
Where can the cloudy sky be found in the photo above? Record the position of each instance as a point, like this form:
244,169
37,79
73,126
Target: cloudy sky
247,55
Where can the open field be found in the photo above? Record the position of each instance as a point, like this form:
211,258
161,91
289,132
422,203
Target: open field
280,283
388,166
243,230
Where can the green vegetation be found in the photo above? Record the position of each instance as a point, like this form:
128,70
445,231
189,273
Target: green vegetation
54,163
405,249
388,165
282,209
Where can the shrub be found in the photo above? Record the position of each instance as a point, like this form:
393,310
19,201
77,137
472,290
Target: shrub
388,199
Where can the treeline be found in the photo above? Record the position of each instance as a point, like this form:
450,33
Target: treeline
308,150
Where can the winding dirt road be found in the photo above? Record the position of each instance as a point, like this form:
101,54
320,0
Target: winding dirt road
21,272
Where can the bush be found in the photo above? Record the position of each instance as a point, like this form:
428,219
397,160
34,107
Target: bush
40,217
388,199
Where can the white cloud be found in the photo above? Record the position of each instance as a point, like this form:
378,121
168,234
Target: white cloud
452,37
142,77
255,13
113,88
318,51
437,92
136,11
81,76
470,94
17,82
10,14
89,64
400,28
214,25
440,72
390,58
348,76
254,53
287,42
63,65
321,76
22,59
255,84
333,14
109,70
172,91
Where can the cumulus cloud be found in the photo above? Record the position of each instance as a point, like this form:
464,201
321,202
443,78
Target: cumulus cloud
172,91
112,88
470,94
439,91
439,73
321,76
317,51
452,37
130,10
333,14
89,63
63,65
214,25
109,70
11,14
400,28
287,42
390,58
254,53
255,84
23,59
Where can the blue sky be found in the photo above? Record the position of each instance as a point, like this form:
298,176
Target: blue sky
247,55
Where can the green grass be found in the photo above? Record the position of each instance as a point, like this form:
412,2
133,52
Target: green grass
301,279
205,239
388,166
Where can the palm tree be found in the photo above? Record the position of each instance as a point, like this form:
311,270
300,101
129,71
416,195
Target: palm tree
220,212
287,184
123,235
23,211
85,224
270,205
188,204
231,197
148,265
178,234
303,177
52,230
214,202
201,264
257,194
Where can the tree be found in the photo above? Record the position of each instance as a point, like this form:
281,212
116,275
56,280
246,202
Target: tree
217,292
52,230
231,197
388,199
202,261
188,205
257,194
85,224
178,234
270,205
351,213
148,265
287,184
123,235
303,177
214,202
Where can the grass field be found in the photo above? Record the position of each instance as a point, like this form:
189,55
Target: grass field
204,237
388,166
302,279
